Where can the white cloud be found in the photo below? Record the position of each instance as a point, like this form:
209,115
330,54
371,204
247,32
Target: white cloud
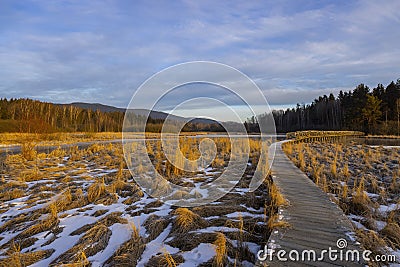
294,50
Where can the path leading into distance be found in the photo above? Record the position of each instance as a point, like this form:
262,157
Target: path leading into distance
316,223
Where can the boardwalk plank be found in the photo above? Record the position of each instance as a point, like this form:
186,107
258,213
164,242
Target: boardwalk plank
315,221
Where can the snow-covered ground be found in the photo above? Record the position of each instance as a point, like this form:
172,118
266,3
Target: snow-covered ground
365,182
59,198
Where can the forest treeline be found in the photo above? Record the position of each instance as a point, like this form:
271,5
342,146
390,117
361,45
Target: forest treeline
375,111
33,116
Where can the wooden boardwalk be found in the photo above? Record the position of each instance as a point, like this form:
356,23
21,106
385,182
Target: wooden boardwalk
316,223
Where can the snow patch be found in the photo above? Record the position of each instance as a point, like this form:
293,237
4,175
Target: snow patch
201,254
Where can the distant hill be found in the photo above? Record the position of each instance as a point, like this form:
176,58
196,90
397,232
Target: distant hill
96,106
33,116
143,112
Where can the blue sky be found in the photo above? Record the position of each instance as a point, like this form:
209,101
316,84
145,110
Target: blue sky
101,51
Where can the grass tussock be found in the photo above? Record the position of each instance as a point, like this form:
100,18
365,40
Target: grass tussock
80,261
32,174
165,260
11,194
360,204
93,241
186,220
372,241
220,251
16,258
17,221
213,210
274,221
169,260
191,240
155,225
28,150
277,198
43,225
128,253
96,190
391,234
108,220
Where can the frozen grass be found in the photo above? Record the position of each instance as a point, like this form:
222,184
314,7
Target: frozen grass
363,181
56,138
186,220
220,250
81,207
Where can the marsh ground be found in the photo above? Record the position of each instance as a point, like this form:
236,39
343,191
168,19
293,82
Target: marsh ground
364,181
82,207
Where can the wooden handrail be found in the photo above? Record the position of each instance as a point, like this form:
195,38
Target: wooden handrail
299,135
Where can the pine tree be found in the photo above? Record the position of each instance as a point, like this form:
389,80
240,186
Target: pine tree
371,112
398,116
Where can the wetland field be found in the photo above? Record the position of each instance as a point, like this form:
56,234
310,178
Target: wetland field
364,181
79,206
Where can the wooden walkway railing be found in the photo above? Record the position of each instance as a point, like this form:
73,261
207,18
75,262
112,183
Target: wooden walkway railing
322,136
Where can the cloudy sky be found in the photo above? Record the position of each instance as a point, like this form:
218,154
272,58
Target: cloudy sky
102,51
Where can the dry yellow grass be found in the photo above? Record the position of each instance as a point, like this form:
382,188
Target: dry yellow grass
11,194
275,222
93,241
361,178
218,162
371,241
58,168
170,262
41,226
57,138
346,171
345,192
391,234
16,258
28,150
129,253
61,202
300,162
360,204
81,261
220,250
32,174
178,164
334,166
277,198
96,190
394,184
301,135
135,230
288,148
187,220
